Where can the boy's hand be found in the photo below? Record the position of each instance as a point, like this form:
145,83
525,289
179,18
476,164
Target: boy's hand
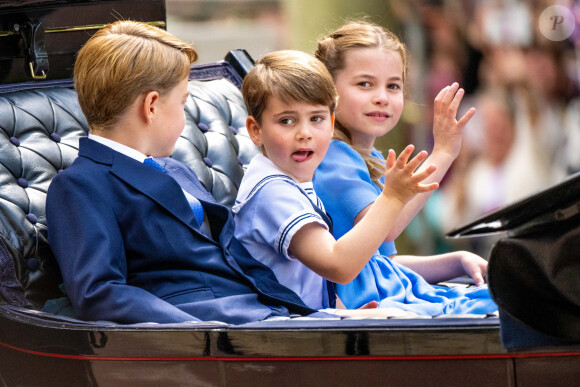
474,266
447,131
401,181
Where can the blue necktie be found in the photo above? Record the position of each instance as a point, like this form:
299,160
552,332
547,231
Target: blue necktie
194,203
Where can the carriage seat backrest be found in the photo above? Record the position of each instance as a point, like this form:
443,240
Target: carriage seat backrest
39,134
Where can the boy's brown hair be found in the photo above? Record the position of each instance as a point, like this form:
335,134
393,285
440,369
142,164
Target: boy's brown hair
290,76
124,60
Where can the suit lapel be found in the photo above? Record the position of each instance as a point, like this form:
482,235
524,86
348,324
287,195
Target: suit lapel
163,189
219,217
187,179
156,185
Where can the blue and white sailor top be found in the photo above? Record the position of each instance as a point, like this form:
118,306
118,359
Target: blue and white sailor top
270,208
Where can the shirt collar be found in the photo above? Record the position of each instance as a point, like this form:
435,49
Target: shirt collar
116,146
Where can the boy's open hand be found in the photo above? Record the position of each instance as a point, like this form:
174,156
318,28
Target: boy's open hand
401,181
447,130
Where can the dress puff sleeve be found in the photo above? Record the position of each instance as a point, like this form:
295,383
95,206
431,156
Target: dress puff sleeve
343,183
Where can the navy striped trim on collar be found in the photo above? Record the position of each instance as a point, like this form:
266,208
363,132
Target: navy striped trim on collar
264,181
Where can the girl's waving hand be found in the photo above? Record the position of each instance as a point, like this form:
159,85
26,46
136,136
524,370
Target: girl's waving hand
447,130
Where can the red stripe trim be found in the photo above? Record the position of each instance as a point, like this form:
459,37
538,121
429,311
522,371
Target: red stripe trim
299,358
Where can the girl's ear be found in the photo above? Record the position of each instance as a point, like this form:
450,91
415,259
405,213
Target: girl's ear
149,107
254,130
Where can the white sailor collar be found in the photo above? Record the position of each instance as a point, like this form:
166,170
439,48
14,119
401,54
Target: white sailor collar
260,171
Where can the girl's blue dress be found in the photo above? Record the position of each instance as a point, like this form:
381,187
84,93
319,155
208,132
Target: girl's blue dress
343,183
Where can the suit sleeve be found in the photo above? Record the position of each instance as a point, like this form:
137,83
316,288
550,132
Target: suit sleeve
86,240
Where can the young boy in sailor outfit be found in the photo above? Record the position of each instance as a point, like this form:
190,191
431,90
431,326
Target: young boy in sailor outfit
291,98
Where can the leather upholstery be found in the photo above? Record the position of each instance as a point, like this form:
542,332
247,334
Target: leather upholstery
39,132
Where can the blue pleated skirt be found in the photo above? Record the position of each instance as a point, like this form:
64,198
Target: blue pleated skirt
395,286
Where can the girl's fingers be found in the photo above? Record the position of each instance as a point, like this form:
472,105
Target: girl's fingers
438,99
465,119
441,93
451,93
448,99
454,105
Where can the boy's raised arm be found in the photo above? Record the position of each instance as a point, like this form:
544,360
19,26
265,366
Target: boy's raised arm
341,260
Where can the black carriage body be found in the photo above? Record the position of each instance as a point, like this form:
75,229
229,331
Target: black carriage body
534,271
39,39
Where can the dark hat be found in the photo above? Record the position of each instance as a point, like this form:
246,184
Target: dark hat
534,272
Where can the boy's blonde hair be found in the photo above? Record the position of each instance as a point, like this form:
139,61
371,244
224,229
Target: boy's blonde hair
290,76
124,60
332,50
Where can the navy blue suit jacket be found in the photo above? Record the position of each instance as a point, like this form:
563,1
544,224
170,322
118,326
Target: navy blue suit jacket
130,249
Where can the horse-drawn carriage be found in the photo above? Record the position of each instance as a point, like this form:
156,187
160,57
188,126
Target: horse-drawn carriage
40,125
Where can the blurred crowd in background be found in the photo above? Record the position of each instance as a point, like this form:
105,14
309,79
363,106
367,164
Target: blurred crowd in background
525,135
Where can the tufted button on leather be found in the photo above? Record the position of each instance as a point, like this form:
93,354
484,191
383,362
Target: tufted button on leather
55,137
32,218
60,170
32,264
15,141
240,161
203,127
208,162
22,182
234,130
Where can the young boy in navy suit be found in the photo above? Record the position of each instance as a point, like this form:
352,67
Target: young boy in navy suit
133,243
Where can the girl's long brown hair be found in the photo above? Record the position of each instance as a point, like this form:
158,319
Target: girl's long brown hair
332,50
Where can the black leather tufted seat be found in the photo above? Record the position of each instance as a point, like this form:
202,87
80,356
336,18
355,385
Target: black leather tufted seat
39,133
